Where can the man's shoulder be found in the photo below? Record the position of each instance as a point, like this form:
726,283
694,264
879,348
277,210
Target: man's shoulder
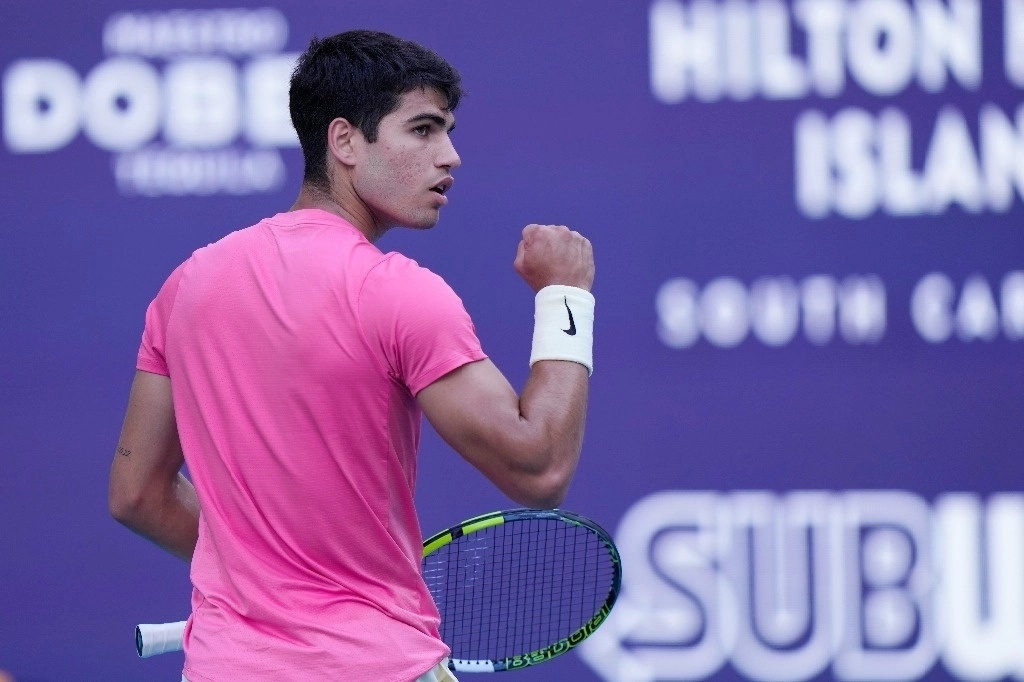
226,242
399,270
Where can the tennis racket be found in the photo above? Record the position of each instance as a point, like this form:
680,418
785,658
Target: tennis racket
514,589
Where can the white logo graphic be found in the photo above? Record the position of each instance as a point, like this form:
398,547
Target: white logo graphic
870,585
774,310
779,311
849,161
190,102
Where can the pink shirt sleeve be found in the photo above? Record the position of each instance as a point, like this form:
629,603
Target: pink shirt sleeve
417,322
151,356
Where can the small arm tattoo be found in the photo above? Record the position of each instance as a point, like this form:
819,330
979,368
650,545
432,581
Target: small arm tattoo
123,451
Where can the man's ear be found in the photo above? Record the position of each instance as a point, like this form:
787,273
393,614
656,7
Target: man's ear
343,140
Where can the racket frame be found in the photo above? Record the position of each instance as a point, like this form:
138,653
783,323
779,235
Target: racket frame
567,643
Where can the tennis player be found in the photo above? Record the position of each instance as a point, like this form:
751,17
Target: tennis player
288,366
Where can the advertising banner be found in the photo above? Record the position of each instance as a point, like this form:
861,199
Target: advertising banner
806,412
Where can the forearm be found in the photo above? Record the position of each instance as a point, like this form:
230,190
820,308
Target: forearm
167,516
553,415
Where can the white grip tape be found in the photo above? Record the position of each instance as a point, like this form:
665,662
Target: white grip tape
563,326
158,638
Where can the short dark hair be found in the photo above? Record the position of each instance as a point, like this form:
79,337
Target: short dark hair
360,76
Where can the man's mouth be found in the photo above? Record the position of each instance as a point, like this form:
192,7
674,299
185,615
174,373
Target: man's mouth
443,186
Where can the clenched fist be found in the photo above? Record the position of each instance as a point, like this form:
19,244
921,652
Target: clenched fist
554,254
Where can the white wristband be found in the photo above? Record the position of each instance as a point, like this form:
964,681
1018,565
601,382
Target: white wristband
563,326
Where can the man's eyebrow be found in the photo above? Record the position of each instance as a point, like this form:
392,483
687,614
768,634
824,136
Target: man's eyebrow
433,118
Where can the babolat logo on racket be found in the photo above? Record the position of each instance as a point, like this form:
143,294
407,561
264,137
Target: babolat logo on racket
561,646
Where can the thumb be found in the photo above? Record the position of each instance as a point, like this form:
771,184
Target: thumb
520,256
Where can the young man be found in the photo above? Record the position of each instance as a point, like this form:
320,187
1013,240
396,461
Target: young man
288,365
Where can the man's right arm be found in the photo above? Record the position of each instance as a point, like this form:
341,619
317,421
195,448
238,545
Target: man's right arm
528,445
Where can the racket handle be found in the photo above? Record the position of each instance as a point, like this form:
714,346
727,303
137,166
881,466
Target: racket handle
158,638
461,666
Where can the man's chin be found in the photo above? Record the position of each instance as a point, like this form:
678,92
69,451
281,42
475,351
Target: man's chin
423,224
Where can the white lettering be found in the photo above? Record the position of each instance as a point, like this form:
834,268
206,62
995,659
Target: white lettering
267,119
819,300
684,51
982,611
856,163
203,101
938,309
823,21
783,75
774,310
931,307
1002,156
1012,302
813,164
42,105
977,315
951,170
676,304
950,38
237,32
206,96
881,46
122,104
902,191
175,128
675,618
877,583
856,182
862,315
740,63
779,50
724,313
155,171
888,629
1013,42
777,561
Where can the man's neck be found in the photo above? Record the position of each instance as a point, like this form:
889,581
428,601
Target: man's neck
311,196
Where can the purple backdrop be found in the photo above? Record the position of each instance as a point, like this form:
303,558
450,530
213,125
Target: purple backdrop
806,411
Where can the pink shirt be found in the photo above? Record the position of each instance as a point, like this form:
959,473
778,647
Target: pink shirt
295,349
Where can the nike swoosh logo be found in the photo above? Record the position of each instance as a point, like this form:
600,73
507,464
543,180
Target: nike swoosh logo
571,331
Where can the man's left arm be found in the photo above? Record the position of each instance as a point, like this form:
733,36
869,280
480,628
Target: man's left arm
148,493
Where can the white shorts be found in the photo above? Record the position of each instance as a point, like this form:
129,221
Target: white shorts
439,673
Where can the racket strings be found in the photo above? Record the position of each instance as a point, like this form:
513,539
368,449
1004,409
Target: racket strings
517,587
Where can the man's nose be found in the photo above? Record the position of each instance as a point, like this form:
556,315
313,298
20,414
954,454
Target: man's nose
448,157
